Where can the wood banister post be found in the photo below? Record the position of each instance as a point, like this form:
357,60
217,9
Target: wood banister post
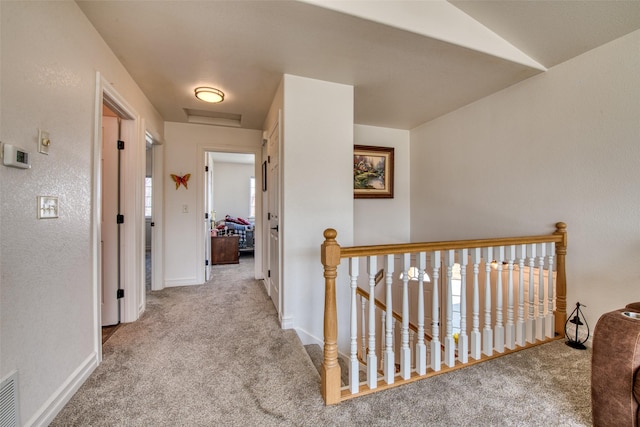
330,370
561,280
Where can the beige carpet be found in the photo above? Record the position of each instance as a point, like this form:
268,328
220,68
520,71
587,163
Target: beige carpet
214,355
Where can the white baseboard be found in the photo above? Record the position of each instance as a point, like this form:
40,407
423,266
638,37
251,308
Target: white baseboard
307,338
141,309
287,322
187,281
45,415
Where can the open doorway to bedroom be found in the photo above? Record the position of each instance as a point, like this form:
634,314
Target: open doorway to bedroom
230,202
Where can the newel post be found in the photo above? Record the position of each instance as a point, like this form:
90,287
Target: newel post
561,279
330,371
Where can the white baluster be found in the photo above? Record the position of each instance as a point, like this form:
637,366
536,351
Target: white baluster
521,253
389,356
405,351
372,359
499,328
383,328
540,319
363,329
412,347
354,377
421,348
531,321
487,332
435,316
550,318
449,342
463,339
394,328
476,340
510,331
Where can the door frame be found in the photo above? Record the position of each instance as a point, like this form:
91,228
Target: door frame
132,243
157,216
200,207
208,188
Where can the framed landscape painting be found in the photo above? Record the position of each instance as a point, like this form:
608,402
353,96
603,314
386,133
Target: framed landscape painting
372,172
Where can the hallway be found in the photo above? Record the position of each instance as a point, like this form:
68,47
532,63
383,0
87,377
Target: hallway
215,354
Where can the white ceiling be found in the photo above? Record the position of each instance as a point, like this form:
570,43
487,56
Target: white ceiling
409,61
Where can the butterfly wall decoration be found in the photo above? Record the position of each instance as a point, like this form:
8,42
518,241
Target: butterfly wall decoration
181,180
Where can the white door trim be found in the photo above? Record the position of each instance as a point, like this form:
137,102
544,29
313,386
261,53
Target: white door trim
157,232
132,206
200,208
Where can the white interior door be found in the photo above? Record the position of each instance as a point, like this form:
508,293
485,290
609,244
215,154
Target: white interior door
273,216
109,227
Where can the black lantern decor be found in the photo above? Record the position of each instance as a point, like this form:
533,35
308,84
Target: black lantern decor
571,327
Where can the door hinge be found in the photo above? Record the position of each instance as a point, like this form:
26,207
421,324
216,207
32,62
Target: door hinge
119,219
206,168
268,159
120,293
268,273
206,215
268,216
206,262
120,145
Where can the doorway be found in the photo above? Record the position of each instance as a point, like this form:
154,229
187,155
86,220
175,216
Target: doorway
117,240
111,250
230,203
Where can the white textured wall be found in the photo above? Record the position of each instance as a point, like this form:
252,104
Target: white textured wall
379,221
231,191
184,239
562,146
50,55
317,192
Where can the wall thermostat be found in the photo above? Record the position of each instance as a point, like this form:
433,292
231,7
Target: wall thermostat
15,157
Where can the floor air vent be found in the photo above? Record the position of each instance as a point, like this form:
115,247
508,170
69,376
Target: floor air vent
9,401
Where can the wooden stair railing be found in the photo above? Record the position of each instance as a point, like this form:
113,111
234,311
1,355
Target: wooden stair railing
332,253
382,306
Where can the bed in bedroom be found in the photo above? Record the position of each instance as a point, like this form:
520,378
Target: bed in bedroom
241,227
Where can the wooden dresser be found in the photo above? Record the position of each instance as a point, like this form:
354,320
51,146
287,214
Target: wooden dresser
224,250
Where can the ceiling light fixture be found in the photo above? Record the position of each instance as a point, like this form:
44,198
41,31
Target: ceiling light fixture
209,94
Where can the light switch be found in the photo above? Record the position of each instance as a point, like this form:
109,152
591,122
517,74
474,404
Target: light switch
47,207
185,208
43,141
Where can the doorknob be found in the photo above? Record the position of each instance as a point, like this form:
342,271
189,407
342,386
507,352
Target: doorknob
275,228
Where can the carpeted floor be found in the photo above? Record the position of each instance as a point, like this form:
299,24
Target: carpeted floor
214,355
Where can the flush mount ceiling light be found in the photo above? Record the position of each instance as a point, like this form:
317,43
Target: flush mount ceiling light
209,94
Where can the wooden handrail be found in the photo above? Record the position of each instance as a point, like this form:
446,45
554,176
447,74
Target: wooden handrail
393,249
332,253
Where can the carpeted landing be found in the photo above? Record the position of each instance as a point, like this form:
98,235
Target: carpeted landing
214,355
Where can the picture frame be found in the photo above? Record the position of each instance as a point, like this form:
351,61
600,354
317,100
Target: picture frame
373,172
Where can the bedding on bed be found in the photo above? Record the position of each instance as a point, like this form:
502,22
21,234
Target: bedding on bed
236,226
